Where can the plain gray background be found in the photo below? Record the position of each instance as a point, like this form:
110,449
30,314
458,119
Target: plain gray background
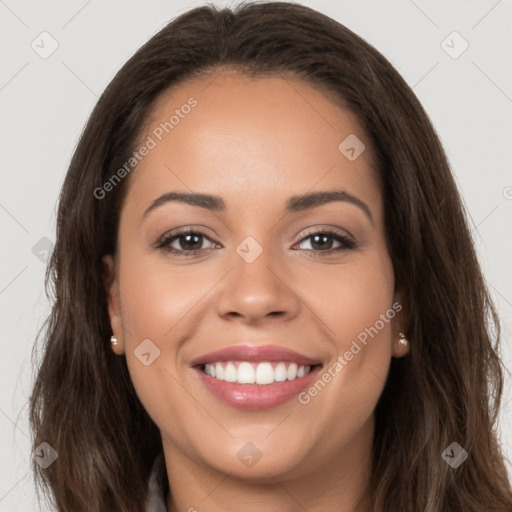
46,101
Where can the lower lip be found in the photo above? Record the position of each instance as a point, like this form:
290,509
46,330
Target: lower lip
256,396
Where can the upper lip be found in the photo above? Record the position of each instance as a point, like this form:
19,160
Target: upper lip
254,353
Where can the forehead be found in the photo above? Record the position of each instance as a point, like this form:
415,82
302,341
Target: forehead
260,139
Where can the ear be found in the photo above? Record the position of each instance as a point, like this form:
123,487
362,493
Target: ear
114,309
399,324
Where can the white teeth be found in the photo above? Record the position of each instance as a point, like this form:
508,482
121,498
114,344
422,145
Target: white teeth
246,374
230,373
280,372
291,373
243,372
219,371
264,373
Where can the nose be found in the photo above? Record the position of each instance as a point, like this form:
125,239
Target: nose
257,291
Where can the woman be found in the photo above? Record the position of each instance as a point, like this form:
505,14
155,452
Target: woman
266,293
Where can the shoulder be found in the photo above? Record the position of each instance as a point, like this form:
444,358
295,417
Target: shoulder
155,501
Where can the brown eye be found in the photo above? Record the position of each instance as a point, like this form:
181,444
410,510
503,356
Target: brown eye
189,242
322,241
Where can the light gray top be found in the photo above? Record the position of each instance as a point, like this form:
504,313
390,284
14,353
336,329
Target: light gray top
156,500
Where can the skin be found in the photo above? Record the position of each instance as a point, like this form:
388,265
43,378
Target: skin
255,143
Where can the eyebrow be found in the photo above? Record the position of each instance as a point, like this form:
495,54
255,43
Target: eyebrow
294,204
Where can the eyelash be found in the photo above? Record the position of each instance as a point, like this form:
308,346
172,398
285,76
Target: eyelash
164,242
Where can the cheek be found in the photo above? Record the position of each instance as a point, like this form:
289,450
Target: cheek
350,299
154,301
356,306
154,296
365,295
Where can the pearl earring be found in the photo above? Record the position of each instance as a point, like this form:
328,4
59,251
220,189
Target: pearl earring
113,340
402,340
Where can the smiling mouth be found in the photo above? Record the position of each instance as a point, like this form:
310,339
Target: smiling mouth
261,373
255,377
253,388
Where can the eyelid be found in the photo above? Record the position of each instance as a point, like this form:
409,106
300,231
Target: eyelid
163,240
346,240
326,229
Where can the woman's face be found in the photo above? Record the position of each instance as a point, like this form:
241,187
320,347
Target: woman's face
265,273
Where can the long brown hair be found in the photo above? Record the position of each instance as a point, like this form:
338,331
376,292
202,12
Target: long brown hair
447,390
